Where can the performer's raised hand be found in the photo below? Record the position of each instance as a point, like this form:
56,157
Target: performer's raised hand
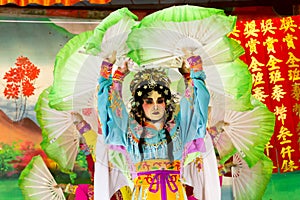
107,65
112,58
77,118
81,125
194,61
122,71
184,69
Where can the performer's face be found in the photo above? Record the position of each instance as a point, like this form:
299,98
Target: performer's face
154,106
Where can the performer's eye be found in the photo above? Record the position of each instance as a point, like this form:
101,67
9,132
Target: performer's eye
160,100
148,100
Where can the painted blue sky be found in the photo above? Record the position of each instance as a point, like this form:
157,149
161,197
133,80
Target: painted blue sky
39,40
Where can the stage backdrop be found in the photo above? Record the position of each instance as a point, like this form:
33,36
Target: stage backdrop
271,54
27,55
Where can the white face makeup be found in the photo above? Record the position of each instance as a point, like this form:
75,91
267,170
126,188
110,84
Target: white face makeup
154,106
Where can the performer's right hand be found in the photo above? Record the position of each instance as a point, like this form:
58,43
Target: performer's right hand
77,118
121,72
107,65
112,58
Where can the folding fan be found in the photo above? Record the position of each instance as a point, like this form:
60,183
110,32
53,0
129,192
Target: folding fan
77,65
120,161
246,132
181,13
250,183
60,136
204,36
165,41
37,183
111,35
112,169
170,29
75,76
202,181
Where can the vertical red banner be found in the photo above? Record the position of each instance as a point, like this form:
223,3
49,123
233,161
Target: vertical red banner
270,53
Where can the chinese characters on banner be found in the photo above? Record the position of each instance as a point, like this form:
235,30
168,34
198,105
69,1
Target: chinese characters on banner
272,52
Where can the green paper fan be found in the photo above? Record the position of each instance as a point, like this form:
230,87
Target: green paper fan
60,137
111,33
163,47
75,76
77,66
119,162
163,41
181,13
250,183
231,82
37,183
247,131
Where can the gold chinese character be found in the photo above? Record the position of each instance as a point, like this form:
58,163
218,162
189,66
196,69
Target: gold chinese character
267,26
293,75
288,166
273,62
250,29
268,146
296,109
287,24
289,39
278,92
270,44
283,133
259,94
275,76
252,45
287,151
258,78
296,91
254,65
280,112
292,59
235,32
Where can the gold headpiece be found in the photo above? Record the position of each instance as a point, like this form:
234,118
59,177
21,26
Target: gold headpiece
149,78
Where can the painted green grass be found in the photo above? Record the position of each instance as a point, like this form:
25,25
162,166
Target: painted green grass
9,190
283,186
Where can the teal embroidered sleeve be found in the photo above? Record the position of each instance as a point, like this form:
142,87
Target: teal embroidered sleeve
194,107
112,111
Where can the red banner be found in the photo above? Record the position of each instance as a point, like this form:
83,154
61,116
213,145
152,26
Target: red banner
271,54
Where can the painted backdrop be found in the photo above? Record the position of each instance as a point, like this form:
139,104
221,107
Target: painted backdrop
27,55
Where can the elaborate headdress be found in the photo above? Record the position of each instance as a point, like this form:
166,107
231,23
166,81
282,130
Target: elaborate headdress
148,79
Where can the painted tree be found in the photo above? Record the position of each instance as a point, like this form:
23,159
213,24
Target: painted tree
20,81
